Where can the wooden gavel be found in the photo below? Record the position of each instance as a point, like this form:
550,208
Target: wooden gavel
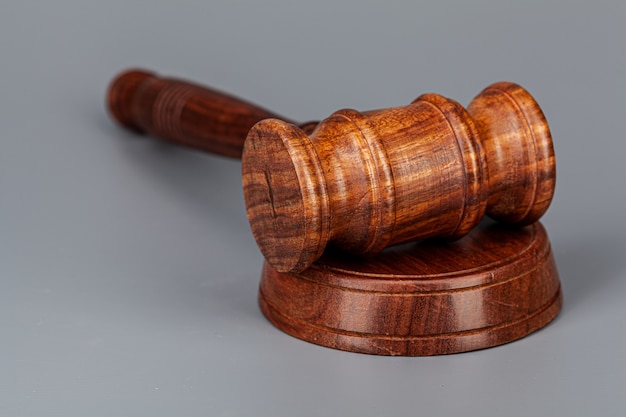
360,181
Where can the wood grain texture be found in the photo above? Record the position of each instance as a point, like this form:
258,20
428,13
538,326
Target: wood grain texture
185,113
496,285
360,181
363,181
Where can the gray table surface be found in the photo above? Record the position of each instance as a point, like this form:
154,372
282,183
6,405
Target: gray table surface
128,273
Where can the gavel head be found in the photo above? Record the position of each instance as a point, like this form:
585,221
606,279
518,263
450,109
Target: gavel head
365,181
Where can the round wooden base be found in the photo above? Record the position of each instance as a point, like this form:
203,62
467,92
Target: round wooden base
494,286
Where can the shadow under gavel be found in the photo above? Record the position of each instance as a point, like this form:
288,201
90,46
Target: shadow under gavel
360,181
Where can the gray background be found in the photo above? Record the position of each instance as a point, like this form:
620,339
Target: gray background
128,274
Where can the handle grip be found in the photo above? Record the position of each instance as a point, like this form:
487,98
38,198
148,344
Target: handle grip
185,113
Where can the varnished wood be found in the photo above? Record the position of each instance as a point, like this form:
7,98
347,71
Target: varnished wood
360,181
365,181
185,113
493,286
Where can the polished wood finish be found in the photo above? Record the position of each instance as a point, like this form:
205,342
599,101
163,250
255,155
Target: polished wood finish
185,113
360,181
365,181
493,286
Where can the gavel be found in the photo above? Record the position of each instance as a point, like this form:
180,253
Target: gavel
360,181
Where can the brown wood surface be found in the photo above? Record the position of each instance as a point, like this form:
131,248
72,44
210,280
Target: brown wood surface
364,181
360,181
185,113
493,286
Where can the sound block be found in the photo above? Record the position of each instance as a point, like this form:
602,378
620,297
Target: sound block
496,285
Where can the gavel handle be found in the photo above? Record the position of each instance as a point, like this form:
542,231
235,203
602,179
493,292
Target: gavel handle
185,113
